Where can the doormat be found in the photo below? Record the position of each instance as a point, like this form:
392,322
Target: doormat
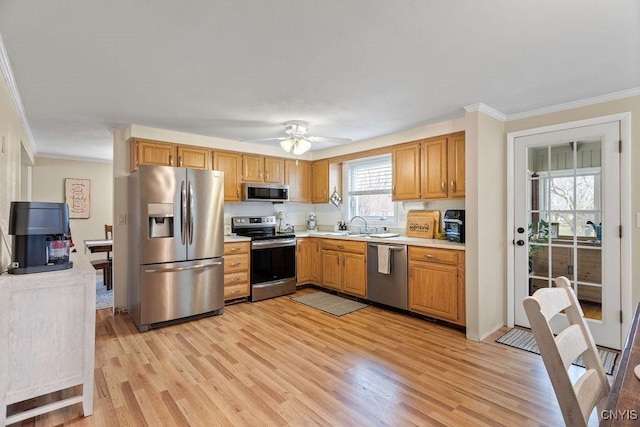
328,303
524,340
104,298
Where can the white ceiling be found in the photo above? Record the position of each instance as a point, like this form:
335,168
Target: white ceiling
238,69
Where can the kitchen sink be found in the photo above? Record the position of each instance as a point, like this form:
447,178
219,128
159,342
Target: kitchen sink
384,235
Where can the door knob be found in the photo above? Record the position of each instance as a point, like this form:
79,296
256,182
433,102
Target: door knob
520,243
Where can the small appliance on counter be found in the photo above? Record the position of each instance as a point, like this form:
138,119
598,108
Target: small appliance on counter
40,242
312,223
454,225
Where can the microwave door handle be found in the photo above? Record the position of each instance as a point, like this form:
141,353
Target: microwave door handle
190,213
183,212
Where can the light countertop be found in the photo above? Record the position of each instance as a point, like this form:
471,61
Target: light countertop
401,240
232,239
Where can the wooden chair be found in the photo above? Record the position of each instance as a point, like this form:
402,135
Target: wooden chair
578,400
105,264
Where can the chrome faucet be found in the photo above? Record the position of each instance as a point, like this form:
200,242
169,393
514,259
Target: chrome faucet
365,223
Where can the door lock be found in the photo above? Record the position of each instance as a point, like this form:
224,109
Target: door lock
520,230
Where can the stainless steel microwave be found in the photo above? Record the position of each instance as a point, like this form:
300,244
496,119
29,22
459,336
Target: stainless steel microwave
260,192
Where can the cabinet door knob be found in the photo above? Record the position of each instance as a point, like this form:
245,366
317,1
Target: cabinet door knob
180,161
453,186
170,160
238,191
443,187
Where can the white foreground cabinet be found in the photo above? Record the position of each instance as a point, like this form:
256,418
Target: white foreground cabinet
47,330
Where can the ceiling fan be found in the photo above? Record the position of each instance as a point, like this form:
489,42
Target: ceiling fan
297,140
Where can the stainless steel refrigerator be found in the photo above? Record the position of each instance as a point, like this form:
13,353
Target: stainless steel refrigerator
176,244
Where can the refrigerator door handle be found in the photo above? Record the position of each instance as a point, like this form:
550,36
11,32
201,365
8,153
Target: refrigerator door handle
190,213
183,212
191,267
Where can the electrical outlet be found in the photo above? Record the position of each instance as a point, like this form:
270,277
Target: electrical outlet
122,219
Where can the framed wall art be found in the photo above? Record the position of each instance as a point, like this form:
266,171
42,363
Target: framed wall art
78,196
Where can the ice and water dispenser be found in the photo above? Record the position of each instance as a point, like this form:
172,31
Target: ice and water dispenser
160,220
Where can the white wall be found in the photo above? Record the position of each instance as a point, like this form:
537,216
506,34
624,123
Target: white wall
486,218
48,186
13,143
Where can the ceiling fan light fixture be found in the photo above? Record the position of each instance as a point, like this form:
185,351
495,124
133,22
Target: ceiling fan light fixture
287,144
301,146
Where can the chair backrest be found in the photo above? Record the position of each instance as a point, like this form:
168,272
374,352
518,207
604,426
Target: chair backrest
108,231
558,352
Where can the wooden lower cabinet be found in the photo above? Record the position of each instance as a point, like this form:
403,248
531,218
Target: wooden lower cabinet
308,262
344,266
236,270
436,283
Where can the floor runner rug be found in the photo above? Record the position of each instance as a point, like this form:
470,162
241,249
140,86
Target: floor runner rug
104,298
328,303
524,340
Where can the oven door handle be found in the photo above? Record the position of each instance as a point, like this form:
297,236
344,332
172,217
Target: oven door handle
273,244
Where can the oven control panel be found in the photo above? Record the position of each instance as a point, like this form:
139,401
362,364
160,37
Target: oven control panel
254,221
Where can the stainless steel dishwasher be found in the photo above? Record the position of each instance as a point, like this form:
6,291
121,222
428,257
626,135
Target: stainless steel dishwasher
389,289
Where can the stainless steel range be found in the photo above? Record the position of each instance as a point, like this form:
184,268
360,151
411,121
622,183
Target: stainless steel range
273,256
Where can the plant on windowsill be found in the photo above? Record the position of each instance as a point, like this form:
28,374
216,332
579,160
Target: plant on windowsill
539,235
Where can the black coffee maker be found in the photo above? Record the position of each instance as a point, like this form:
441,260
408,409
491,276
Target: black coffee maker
40,237
454,225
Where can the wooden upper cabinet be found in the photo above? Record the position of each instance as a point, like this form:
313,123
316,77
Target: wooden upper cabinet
297,175
157,153
406,172
193,157
147,152
274,170
231,164
434,168
456,164
320,181
252,168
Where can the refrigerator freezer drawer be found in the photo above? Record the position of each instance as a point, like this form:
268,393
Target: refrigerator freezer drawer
182,289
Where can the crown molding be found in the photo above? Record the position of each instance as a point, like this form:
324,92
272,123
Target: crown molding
72,158
5,67
575,104
485,109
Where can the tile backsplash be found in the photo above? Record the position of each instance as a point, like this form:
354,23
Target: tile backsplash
328,215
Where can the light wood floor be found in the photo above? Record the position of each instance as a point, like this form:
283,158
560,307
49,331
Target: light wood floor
277,362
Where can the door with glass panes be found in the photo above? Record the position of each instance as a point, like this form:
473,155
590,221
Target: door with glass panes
567,218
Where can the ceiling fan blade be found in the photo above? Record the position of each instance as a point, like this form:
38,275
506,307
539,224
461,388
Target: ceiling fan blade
329,139
265,139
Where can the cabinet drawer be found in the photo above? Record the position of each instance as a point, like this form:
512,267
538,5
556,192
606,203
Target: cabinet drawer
236,248
440,256
236,291
235,278
344,246
234,263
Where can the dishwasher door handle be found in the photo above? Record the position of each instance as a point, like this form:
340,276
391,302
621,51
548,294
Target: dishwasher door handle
393,248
